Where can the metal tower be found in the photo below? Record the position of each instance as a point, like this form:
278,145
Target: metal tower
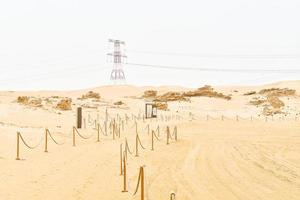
117,74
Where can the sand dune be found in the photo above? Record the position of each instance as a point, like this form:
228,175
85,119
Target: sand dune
229,157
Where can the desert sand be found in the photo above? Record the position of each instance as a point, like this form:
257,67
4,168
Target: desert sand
226,149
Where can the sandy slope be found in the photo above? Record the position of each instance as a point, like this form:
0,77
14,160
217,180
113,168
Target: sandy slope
213,159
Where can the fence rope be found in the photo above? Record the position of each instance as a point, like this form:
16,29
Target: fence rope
139,140
138,184
175,133
83,137
156,136
168,133
127,147
54,139
152,140
100,128
157,130
30,147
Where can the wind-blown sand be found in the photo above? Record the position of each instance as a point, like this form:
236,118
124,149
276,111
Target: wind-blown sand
213,159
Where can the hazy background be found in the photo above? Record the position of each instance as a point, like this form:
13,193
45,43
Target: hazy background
62,44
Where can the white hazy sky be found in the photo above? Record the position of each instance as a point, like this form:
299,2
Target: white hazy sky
61,44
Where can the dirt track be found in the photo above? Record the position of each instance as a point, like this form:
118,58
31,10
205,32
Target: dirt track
212,160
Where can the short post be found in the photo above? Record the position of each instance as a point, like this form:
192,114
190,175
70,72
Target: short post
126,148
119,130
46,140
18,146
73,136
124,175
175,133
142,184
168,135
84,123
237,118
105,127
113,129
106,115
148,129
136,127
98,132
152,141
207,117
121,160
222,118
137,145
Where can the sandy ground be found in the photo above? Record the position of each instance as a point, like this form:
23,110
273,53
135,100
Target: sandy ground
213,159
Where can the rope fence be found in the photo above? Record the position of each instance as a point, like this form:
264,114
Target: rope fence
19,136
240,118
47,132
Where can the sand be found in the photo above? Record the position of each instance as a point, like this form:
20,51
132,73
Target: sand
212,159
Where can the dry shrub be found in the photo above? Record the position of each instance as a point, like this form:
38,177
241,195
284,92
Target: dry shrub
35,103
30,101
272,104
257,102
150,94
93,106
268,111
250,93
206,91
161,105
275,102
91,95
119,103
64,104
23,100
171,96
279,92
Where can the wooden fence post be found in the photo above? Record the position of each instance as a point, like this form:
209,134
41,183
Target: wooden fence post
136,146
142,184
121,160
175,133
98,132
113,127
168,135
73,136
84,123
124,175
18,146
148,129
46,140
79,117
152,141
